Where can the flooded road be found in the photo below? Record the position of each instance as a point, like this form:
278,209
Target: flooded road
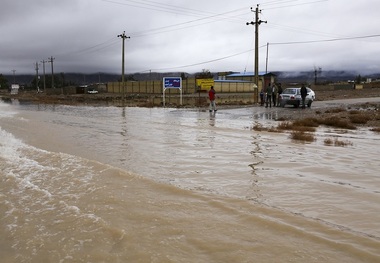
107,184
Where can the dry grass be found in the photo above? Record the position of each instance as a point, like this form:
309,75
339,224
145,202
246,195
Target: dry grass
335,110
258,127
329,141
337,122
305,125
359,118
309,124
337,142
376,129
354,112
285,125
302,136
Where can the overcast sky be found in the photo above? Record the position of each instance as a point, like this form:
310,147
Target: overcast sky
189,36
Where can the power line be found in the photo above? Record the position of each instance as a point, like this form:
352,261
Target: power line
299,4
155,6
99,46
326,40
214,16
206,62
250,50
164,29
166,8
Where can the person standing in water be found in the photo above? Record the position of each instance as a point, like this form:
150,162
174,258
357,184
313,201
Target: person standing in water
211,96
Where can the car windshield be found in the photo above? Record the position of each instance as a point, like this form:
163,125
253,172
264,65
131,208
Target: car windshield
290,91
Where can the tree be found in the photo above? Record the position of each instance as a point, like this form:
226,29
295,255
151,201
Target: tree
3,82
205,74
358,79
59,80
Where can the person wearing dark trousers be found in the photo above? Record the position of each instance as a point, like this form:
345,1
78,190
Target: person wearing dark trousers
279,92
261,97
211,96
269,96
274,94
303,95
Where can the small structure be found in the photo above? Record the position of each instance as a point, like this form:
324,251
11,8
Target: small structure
14,89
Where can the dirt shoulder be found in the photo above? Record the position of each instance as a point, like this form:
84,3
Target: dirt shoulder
348,108
347,94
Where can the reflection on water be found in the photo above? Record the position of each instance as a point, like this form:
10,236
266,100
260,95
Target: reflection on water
267,115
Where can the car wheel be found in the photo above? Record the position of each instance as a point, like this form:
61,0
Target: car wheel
309,103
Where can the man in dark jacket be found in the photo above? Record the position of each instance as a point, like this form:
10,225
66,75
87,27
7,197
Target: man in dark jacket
303,95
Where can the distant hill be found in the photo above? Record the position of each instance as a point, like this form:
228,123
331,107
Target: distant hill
85,79
282,76
72,78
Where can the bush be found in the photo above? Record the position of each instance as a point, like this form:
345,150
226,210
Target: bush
336,142
302,136
359,118
337,123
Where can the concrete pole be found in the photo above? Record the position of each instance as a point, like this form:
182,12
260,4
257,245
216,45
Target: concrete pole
256,58
123,37
266,64
52,71
43,68
14,76
38,89
257,49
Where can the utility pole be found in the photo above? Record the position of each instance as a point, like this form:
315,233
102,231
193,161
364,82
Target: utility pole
123,37
43,68
316,73
14,77
51,59
38,89
266,64
256,59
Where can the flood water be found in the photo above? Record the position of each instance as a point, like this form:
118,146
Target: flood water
113,184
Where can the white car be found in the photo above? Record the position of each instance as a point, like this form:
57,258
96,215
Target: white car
92,91
292,96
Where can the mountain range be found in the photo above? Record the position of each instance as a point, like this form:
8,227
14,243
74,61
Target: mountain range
282,76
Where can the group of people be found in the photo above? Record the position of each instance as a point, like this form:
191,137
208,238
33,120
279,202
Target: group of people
271,93
268,95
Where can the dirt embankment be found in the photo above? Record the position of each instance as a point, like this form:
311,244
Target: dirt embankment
347,94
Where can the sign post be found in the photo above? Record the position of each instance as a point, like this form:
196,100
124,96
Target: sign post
172,83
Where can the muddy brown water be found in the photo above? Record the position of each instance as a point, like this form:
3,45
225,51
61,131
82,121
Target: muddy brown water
112,184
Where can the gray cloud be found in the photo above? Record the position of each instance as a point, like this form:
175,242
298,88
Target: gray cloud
188,35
